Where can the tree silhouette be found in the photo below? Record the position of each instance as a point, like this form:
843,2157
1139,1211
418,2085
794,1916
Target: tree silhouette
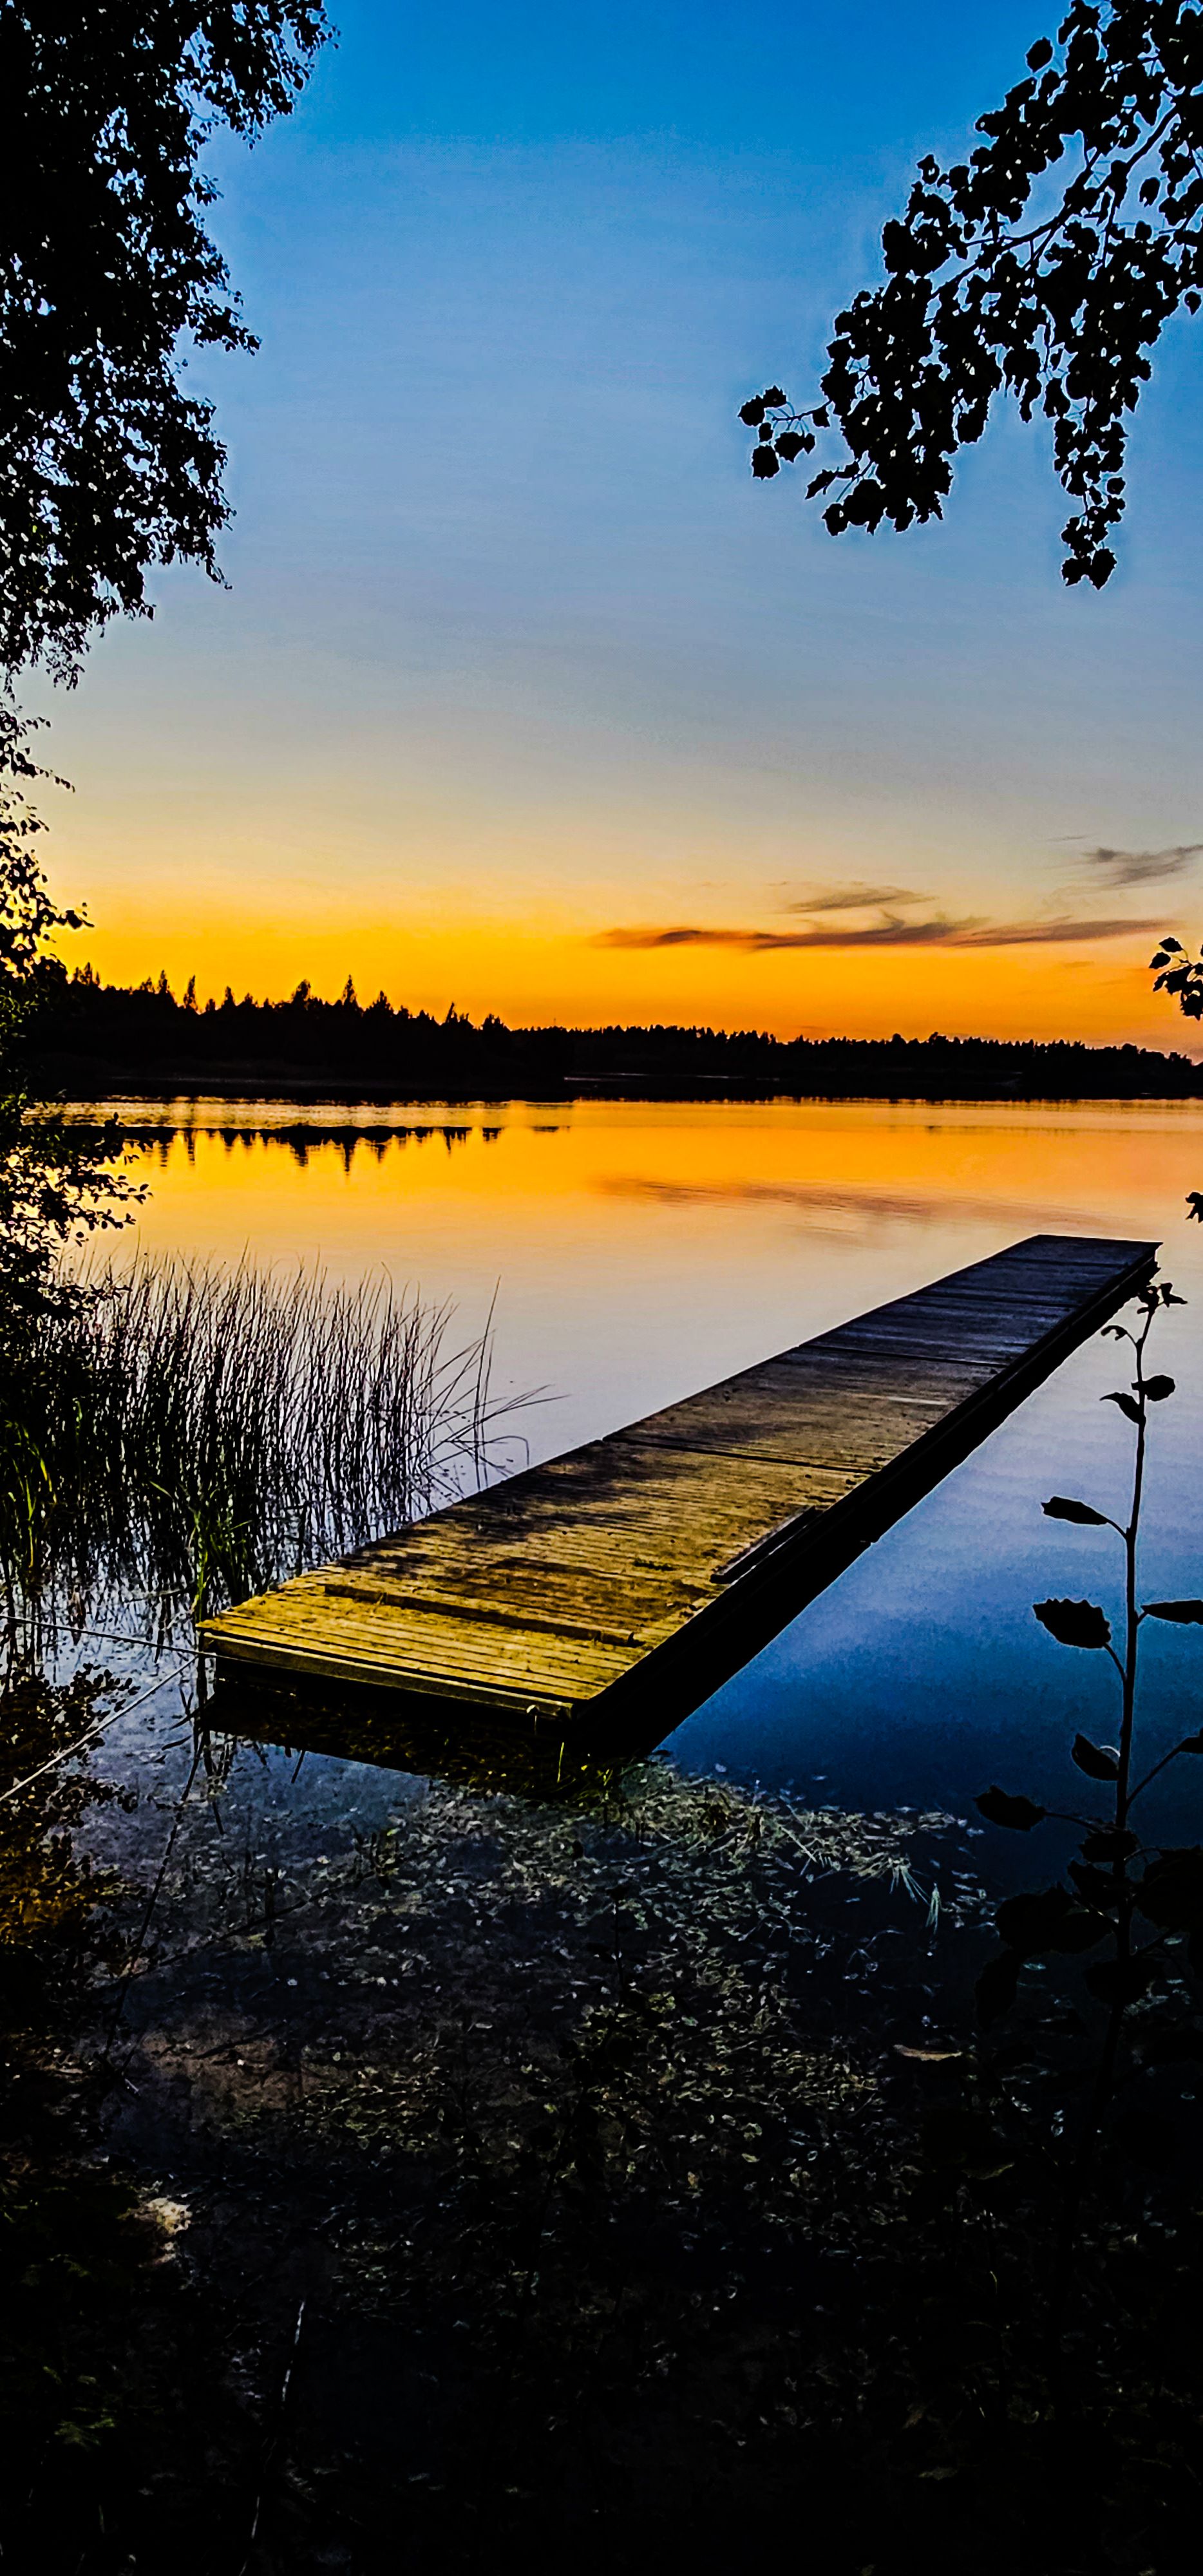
991,287
106,267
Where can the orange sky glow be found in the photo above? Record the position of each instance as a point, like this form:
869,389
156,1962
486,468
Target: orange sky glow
1101,994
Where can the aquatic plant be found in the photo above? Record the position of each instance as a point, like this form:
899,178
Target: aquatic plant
1127,1911
191,1434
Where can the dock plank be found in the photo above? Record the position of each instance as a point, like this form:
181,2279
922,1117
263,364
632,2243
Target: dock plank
630,1576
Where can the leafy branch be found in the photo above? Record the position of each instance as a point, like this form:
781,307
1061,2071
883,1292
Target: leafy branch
57,1183
1060,311
108,275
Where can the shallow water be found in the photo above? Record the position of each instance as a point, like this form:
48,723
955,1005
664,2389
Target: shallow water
639,1250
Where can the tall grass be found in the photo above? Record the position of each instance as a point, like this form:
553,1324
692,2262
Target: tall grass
196,1433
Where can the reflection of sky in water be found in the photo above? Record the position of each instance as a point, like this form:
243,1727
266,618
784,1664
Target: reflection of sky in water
642,1250
922,1676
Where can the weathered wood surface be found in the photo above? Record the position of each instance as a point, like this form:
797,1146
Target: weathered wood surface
626,1579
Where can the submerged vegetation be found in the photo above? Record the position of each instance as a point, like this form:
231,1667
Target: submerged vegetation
491,2165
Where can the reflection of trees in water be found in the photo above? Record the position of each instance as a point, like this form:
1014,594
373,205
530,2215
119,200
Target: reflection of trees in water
47,1889
304,1138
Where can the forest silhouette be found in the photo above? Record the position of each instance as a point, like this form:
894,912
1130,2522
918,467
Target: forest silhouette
89,1035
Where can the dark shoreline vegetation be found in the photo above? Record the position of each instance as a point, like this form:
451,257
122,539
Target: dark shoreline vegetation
89,1038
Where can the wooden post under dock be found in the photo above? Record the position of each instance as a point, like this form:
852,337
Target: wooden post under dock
620,1584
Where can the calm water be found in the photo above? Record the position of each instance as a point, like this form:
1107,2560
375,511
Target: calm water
637,1251
518,2144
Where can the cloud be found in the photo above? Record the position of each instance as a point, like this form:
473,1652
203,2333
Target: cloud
1038,934
1143,867
852,898
893,932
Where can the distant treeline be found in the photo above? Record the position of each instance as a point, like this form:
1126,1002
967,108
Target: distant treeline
92,1035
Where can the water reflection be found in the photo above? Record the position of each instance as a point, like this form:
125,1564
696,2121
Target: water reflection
645,1249
396,1730
301,1140
574,2115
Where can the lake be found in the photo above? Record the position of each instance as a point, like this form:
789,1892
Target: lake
635,1251
507,2164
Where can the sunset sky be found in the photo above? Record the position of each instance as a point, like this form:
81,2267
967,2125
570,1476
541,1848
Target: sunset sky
523,696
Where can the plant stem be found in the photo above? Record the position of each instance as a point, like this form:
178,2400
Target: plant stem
1104,2083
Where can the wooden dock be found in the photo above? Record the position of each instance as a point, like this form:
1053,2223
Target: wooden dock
620,1584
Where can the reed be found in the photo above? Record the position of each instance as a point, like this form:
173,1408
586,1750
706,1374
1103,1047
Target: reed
194,1433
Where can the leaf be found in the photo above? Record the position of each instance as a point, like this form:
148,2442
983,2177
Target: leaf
765,463
965,2139
1094,1886
1096,1760
999,1808
773,398
1074,1623
1171,1892
1031,1923
1145,2136
1157,1389
1126,1403
1173,2046
1119,1981
1194,1204
1113,1843
1185,1614
752,413
1081,1930
995,1988
1060,1508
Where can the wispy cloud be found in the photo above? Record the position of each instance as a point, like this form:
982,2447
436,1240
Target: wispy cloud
852,898
893,932
1039,934
1143,867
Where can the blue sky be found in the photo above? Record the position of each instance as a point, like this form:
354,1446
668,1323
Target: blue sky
515,652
